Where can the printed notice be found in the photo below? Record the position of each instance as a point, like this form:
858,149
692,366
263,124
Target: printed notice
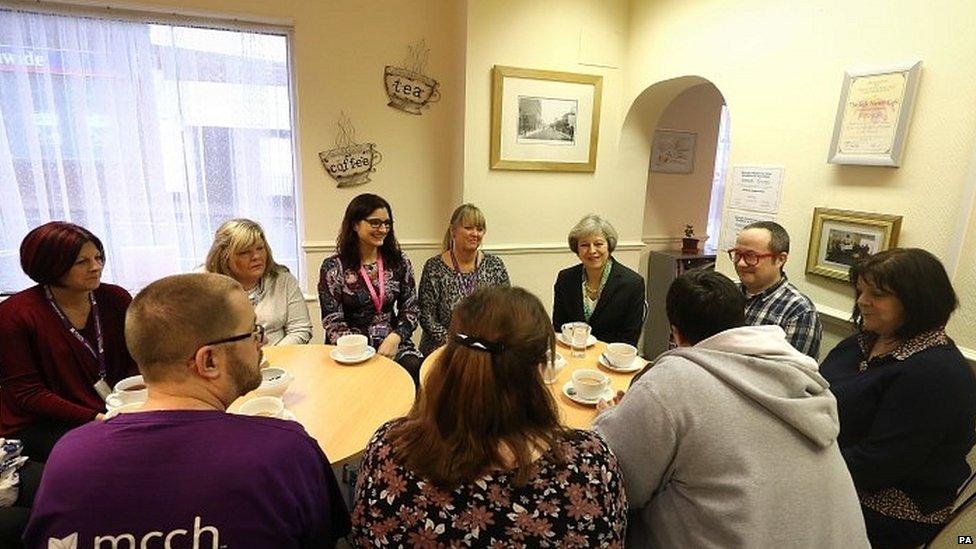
756,188
734,221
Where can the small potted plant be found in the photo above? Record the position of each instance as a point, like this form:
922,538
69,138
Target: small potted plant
689,243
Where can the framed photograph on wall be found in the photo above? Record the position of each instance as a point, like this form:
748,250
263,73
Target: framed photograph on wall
873,115
673,151
840,238
544,120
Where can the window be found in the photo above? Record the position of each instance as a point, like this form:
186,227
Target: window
718,182
149,135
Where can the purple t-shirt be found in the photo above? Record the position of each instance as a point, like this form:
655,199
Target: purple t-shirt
185,478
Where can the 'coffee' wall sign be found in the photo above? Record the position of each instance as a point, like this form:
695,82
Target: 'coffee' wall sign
350,163
409,89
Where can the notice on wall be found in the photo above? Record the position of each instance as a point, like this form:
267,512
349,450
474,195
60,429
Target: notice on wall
756,188
734,221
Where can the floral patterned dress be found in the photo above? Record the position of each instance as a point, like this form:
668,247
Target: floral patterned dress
579,503
347,307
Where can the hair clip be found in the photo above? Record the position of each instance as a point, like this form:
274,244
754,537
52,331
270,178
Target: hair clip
478,344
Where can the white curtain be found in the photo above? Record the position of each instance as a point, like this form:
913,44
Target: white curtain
149,135
718,182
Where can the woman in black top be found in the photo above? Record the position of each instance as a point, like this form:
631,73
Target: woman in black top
599,291
906,397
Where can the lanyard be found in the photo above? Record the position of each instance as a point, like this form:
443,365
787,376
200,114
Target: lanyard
97,355
380,276
467,284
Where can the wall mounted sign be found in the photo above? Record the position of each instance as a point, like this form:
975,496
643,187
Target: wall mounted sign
840,238
544,120
409,89
873,115
350,163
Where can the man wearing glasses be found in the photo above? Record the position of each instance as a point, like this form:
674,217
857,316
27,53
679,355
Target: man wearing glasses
759,255
181,472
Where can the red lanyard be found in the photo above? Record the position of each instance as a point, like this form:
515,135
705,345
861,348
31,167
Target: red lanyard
100,354
468,284
380,276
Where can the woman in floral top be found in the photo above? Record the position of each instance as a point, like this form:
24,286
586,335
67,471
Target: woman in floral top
455,273
368,287
481,460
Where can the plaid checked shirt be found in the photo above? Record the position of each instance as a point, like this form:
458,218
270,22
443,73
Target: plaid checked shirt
784,305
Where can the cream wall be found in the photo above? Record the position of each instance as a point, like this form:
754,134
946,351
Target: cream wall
779,66
674,200
530,213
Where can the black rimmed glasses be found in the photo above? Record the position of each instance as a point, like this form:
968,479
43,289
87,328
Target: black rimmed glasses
257,333
376,223
750,257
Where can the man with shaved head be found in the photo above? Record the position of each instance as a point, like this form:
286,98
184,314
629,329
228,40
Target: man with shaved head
180,472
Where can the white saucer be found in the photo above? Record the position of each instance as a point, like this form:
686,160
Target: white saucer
342,359
571,395
634,365
590,340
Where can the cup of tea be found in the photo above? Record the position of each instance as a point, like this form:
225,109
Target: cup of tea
408,90
567,331
131,389
263,406
620,355
590,384
351,345
274,381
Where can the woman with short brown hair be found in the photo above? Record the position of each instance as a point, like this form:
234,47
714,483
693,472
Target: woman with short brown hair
482,459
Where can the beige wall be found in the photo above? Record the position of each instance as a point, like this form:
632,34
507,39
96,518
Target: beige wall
674,200
779,66
531,213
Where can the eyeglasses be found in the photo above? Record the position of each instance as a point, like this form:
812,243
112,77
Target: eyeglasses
376,222
257,333
751,258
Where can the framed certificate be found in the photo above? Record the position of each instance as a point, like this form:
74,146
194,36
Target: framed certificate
873,115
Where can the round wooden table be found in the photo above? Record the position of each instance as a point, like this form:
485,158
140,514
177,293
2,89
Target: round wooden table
572,414
341,406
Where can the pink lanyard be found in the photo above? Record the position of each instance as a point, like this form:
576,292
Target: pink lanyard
377,299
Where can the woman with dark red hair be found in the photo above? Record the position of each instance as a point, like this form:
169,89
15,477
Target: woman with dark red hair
62,342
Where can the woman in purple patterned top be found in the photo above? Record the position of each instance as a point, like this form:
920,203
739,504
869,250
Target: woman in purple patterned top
368,286
482,460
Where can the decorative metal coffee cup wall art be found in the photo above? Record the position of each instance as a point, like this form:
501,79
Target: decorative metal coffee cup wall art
409,89
350,163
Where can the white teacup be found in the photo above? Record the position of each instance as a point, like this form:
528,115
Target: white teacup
567,330
263,406
590,384
274,381
125,408
131,389
352,345
620,355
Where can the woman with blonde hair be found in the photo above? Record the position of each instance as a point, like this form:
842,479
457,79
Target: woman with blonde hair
241,251
481,460
455,274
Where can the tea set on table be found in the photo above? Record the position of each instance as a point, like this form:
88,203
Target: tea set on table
352,349
589,385
130,394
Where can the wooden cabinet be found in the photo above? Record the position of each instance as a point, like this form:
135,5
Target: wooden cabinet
662,269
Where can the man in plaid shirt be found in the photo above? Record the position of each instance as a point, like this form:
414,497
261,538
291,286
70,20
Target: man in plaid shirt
759,255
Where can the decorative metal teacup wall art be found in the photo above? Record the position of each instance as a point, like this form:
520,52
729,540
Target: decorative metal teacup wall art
409,89
350,163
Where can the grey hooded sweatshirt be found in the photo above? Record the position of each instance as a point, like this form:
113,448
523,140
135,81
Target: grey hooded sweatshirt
733,443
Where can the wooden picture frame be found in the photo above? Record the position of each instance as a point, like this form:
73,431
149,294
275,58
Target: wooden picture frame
839,238
544,120
873,115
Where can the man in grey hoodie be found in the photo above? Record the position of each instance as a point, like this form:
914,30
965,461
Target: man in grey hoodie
730,439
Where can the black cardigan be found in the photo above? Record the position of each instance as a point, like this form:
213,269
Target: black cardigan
905,424
619,314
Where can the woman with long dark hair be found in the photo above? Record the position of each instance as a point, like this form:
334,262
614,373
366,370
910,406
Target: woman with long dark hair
368,286
62,342
482,459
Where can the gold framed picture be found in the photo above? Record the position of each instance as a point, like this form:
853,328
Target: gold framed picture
544,120
840,238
